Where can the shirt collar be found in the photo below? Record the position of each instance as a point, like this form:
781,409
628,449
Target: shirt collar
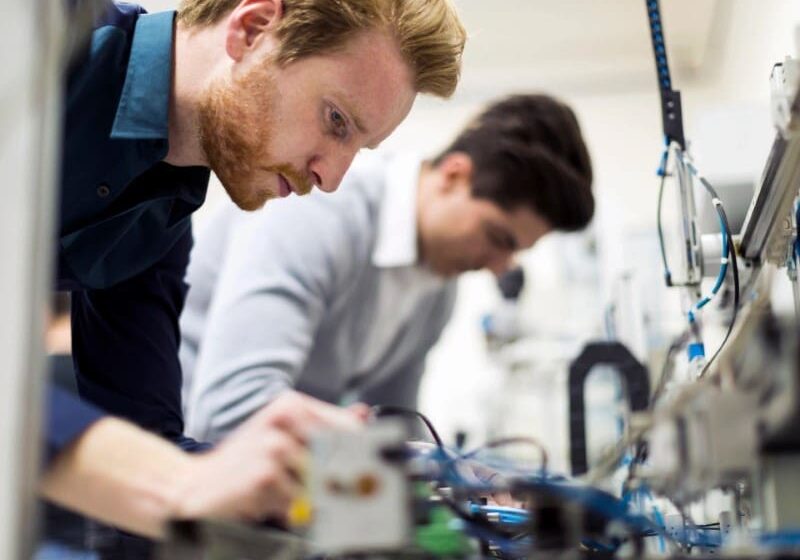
396,241
143,107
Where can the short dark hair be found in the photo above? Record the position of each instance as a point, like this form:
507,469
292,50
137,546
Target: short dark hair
527,151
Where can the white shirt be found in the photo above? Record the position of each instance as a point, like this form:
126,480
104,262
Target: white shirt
321,293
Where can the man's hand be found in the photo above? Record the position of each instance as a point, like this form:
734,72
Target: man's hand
256,471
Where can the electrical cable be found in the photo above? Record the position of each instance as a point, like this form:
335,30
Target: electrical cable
723,272
390,410
728,254
480,527
640,452
662,172
724,231
493,444
725,224
513,516
666,368
736,296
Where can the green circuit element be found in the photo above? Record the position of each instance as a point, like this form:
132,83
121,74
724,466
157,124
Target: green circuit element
443,535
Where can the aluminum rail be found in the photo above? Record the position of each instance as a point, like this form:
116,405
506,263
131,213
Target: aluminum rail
776,192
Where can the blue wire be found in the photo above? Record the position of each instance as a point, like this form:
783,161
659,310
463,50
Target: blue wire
662,166
594,500
662,522
723,269
508,515
780,539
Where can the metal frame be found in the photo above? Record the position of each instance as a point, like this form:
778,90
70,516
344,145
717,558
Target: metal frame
30,113
773,200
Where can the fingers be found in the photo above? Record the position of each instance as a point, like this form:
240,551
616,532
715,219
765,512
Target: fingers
284,450
302,416
258,470
360,410
505,499
253,474
278,487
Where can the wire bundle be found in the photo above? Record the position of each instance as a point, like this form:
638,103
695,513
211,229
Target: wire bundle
506,531
728,247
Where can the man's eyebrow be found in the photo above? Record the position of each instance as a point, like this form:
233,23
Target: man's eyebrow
359,124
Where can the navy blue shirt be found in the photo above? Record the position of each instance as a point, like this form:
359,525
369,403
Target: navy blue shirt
124,232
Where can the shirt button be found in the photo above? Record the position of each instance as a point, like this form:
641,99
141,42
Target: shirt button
103,191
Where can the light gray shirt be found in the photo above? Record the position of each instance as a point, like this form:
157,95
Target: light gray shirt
323,294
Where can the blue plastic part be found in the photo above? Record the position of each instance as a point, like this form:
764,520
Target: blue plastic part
512,516
662,166
486,324
696,350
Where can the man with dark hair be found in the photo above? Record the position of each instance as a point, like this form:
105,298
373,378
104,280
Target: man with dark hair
341,297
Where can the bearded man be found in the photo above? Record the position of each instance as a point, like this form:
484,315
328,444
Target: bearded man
275,97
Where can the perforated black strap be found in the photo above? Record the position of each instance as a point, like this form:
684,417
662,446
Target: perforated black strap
671,114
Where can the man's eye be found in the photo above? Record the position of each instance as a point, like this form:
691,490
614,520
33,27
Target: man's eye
500,241
338,124
493,238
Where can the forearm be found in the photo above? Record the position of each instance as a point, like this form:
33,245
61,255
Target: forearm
120,474
123,475
214,410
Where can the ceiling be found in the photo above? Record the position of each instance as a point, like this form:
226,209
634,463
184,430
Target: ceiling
575,46
572,46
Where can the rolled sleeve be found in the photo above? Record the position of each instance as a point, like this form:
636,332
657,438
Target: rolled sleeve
66,418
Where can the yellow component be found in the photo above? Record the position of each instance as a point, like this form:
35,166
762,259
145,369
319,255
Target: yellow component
300,512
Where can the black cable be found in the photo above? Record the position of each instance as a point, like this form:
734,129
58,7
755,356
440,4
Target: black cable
676,345
389,410
663,379
662,171
667,273
732,252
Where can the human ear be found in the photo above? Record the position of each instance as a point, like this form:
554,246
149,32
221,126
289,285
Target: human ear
456,169
249,22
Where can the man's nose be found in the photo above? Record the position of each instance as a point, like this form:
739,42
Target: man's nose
329,170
